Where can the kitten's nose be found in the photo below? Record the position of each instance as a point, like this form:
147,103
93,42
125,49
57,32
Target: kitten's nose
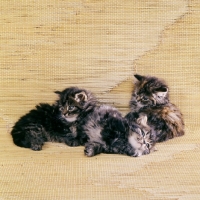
65,113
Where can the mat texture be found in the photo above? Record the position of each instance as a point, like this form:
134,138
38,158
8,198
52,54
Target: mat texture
98,45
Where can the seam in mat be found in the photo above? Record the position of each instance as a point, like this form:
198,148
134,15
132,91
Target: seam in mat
161,35
160,39
116,85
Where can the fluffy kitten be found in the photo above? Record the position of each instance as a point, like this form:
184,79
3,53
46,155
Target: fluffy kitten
108,132
56,123
150,98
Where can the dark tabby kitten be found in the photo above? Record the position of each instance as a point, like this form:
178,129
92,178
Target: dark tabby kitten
150,98
56,123
108,132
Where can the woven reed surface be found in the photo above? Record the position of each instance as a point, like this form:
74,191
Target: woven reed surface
98,45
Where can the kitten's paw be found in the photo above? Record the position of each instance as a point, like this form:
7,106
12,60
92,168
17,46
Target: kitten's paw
36,147
136,154
89,151
73,143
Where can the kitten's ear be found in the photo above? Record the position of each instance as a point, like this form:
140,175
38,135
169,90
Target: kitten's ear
58,92
142,120
139,77
81,97
162,91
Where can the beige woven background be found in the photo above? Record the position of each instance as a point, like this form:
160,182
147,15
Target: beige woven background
98,45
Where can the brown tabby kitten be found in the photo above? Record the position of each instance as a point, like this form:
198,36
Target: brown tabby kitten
150,98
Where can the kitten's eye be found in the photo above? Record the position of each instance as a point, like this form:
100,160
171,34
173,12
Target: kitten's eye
61,109
70,107
148,145
145,99
143,134
138,139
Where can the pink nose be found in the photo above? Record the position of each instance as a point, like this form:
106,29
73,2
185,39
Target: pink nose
65,114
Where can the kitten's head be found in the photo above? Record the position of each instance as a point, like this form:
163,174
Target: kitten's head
148,91
140,137
73,101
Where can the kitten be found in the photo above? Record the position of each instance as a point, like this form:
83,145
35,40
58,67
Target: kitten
140,140
108,132
103,127
56,123
150,98
141,136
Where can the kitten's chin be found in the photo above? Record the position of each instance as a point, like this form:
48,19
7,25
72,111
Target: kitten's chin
71,119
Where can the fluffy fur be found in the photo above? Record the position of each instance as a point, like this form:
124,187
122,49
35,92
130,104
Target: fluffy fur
141,132
150,98
108,132
56,123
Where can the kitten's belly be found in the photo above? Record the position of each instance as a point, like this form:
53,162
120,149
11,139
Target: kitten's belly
95,134
73,130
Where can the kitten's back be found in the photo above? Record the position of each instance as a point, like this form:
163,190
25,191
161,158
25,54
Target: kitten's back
35,119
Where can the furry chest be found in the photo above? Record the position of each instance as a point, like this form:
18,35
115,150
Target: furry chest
94,134
73,130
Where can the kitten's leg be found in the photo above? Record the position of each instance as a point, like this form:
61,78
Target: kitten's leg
71,141
92,149
121,146
36,140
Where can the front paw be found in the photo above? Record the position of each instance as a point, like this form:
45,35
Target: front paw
72,143
135,154
36,147
89,151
